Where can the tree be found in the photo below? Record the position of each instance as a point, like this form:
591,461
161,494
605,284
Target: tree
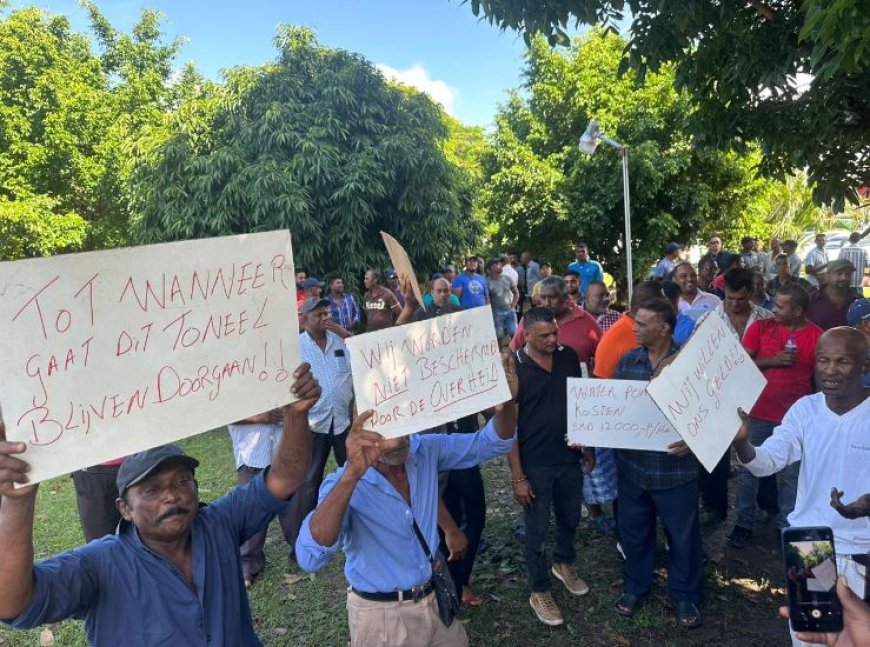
68,118
316,142
543,194
791,75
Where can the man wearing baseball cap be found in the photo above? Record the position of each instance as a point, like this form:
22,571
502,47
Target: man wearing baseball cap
830,303
172,574
669,261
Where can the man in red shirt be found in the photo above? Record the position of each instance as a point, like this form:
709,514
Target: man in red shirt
784,349
577,328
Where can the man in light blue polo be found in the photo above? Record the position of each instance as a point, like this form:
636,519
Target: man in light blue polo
369,509
588,269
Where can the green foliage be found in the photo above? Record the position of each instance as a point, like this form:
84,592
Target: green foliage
744,64
544,195
316,142
32,227
67,120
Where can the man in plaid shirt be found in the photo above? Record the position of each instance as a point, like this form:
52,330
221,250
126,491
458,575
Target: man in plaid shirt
663,483
343,307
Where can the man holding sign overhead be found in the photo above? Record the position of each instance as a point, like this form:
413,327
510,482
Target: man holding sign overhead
172,574
381,509
658,483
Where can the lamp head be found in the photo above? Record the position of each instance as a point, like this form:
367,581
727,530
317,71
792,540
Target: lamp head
589,138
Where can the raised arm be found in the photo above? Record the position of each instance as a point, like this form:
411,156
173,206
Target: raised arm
363,450
291,459
411,304
16,530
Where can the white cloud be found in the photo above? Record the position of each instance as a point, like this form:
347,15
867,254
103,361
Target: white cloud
418,77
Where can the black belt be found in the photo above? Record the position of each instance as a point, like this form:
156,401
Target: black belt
416,594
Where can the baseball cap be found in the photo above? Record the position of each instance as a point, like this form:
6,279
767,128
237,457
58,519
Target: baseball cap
840,264
670,248
140,466
391,273
312,282
312,303
859,311
450,267
436,275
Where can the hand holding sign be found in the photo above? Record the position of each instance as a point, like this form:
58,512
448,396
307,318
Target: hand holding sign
13,471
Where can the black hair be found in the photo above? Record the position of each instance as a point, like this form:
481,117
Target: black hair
672,290
797,294
376,275
538,314
663,309
644,291
572,273
738,278
492,262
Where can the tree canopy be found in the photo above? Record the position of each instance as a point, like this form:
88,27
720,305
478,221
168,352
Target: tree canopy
541,193
791,75
316,142
67,118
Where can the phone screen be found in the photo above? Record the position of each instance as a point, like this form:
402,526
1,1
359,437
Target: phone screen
811,579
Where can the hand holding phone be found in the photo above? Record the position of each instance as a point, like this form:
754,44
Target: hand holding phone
811,579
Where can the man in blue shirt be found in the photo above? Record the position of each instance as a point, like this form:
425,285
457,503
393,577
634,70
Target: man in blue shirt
368,508
859,317
588,269
658,483
470,285
172,574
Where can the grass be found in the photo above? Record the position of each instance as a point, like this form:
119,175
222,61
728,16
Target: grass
293,608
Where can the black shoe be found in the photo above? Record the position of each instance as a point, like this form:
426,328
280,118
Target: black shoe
739,537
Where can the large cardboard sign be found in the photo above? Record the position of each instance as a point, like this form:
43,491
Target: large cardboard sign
618,414
402,263
108,353
700,391
427,373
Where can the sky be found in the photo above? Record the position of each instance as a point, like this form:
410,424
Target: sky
439,46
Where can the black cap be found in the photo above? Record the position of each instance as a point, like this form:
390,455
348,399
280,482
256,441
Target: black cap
312,303
140,466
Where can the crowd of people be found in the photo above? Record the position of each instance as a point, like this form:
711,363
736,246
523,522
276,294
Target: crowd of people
407,512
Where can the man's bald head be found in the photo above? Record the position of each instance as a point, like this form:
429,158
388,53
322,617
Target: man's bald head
841,358
851,339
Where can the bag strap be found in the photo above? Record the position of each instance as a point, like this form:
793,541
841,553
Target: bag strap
422,541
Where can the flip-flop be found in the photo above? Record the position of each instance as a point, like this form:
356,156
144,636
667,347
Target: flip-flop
627,604
470,600
688,614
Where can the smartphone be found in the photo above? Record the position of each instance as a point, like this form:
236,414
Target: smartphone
811,579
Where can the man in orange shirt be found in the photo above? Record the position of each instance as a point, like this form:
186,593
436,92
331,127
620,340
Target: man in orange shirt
619,338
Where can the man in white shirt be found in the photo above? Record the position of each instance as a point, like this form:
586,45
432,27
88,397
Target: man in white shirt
329,419
830,434
693,302
816,260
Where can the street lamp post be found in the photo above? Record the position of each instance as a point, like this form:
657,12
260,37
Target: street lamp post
588,143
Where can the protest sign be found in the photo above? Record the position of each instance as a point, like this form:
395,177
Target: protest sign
402,263
427,373
618,414
109,353
699,392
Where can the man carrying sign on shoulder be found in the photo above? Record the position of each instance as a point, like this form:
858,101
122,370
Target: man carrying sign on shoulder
650,483
172,574
829,434
379,508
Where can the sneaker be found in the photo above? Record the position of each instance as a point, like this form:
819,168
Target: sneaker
546,609
567,574
739,536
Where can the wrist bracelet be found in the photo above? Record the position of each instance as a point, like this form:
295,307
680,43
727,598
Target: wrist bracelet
519,480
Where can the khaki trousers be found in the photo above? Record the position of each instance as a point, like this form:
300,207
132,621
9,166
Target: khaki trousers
400,624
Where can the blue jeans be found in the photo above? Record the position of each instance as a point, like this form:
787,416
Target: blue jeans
747,484
505,323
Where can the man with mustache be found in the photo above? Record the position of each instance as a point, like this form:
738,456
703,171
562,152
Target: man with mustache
369,509
172,574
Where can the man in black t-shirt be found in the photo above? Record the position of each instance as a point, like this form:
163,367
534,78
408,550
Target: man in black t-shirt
546,472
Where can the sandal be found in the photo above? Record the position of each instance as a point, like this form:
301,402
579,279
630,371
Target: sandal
469,599
688,615
627,604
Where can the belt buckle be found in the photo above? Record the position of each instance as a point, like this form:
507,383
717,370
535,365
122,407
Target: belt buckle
418,593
